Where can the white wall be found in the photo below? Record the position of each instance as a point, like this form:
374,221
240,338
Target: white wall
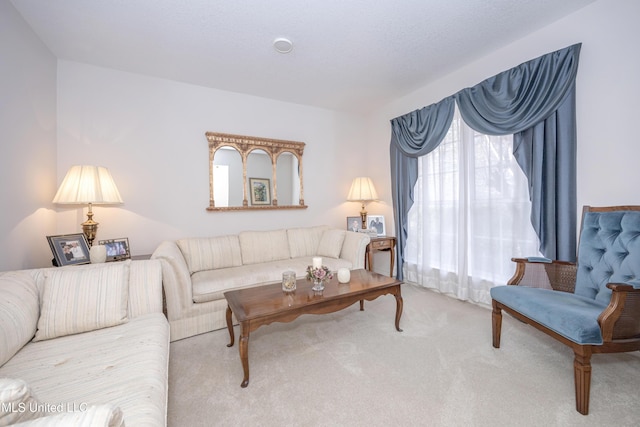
608,93
149,132
27,144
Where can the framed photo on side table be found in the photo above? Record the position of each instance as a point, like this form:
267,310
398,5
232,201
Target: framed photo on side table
354,223
376,222
69,249
117,249
260,190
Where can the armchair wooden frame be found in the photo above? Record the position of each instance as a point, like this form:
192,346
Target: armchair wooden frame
619,321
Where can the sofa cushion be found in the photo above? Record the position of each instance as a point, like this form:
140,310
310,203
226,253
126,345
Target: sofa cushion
573,316
263,246
19,312
305,241
125,366
209,253
17,402
81,300
331,243
212,284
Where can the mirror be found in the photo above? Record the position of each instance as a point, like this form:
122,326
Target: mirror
289,182
254,173
227,177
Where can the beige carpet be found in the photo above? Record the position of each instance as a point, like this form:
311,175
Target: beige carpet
353,368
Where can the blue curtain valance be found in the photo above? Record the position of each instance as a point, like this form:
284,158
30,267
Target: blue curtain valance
532,101
418,133
521,97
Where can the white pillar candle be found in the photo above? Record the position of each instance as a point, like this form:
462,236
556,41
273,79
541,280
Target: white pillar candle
98,254
344,275
317,262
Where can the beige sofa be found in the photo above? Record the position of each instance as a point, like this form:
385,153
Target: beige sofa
197,271
84,345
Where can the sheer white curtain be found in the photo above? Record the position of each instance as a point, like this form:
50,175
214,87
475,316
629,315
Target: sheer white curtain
470,216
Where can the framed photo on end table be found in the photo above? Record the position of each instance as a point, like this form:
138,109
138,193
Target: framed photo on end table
376,222
117,249
69,249
354,223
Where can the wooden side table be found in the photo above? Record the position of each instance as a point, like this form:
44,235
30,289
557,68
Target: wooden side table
382,243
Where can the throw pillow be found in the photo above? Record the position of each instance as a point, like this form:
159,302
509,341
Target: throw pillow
94,416
19,312
304,241
79,300
264,246
331,243
210,253
17,403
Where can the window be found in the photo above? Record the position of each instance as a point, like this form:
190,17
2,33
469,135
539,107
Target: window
470,215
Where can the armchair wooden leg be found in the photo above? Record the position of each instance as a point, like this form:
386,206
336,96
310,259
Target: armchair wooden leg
582,373
496,323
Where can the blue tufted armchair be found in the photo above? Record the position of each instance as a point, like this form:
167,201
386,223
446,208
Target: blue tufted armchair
593,306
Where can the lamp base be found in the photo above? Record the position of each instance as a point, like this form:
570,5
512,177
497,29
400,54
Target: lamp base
90,227
363,217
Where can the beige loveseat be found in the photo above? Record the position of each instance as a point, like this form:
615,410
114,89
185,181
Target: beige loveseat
197,271
84,345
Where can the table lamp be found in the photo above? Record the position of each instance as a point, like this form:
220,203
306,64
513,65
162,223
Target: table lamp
363,191
88,185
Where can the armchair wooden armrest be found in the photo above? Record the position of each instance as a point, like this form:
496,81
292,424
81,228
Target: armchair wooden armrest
621,319
556,275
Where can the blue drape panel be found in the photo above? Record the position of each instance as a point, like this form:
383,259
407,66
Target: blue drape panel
413,135
535,101
404,174
546,153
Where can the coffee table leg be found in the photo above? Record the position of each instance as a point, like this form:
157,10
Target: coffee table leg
399,304
230,327
244,352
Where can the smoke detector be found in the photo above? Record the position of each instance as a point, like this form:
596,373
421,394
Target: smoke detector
282,45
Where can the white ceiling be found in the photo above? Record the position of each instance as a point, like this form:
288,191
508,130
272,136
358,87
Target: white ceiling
348,54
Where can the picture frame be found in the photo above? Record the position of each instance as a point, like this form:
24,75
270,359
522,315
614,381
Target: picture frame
376,222
69,249
117,249
354,223
260,190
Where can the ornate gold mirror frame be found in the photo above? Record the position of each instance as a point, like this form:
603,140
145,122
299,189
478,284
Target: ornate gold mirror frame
245,145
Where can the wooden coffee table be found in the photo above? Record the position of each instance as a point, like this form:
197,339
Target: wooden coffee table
262,305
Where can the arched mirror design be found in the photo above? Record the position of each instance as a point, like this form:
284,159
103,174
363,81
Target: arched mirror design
289,183
247,172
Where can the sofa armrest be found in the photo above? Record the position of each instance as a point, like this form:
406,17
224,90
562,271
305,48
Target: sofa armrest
145,287
556,275
176,279
354,248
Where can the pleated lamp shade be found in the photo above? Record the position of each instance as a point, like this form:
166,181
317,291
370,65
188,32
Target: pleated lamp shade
88,184
362,190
